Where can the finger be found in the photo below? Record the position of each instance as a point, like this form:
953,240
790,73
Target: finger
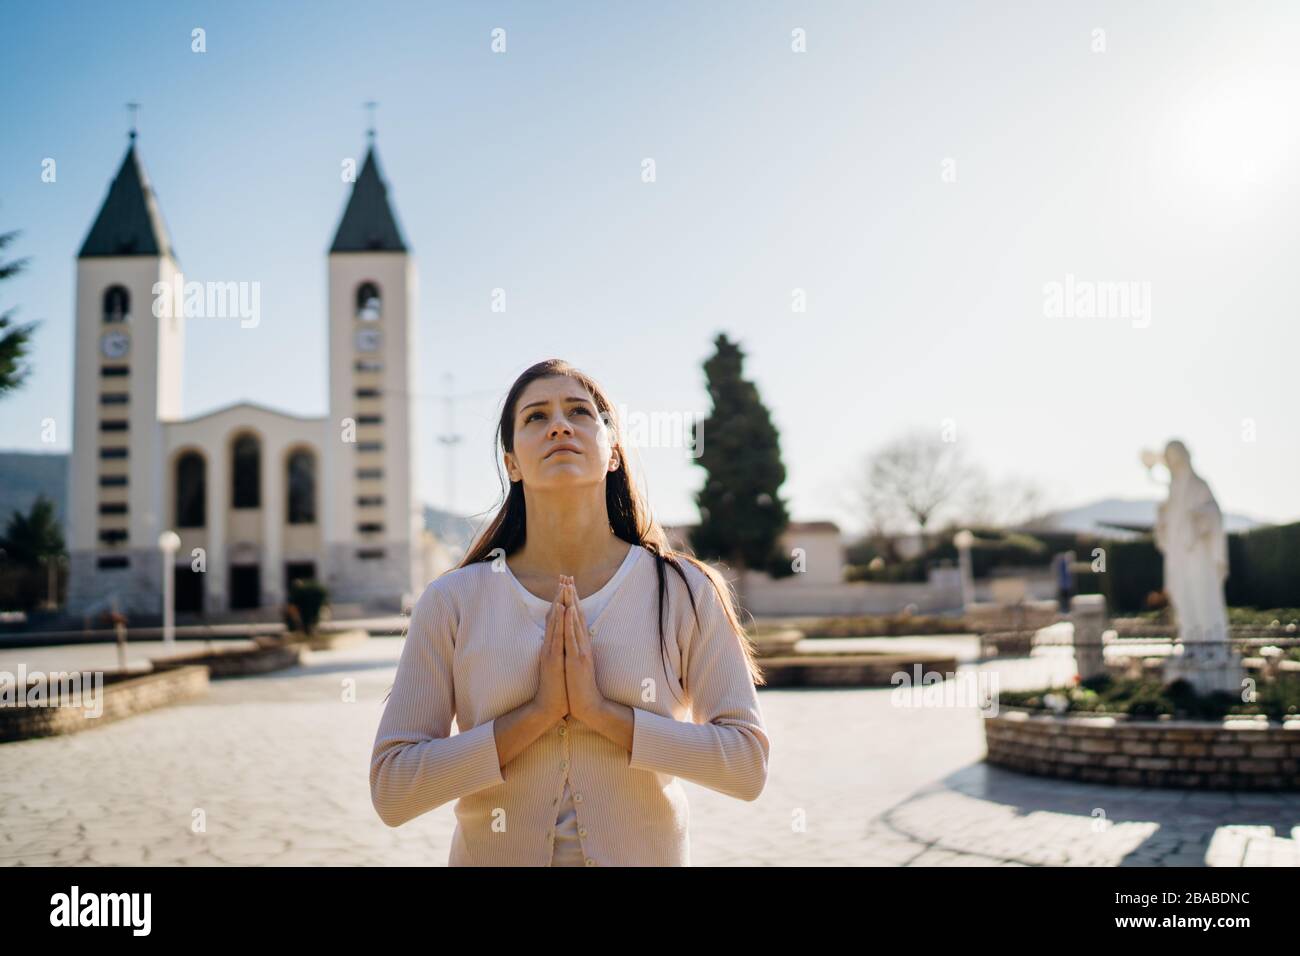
580,627
575,630
554,628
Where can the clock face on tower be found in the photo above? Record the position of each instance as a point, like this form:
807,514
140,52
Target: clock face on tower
115,344
367,340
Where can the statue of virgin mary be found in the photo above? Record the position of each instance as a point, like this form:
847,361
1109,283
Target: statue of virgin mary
1189,532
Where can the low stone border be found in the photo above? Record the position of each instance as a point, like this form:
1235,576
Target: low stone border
328,640
1026,616
122,696
1006,644
775,642
269,656
1242,754
849,670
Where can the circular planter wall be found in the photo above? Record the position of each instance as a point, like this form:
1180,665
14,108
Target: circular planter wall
1240,754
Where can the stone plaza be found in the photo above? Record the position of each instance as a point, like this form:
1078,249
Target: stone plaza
272,770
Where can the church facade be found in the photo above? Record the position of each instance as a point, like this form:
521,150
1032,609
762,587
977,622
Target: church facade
258,497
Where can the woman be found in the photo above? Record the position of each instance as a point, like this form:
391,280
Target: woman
571,738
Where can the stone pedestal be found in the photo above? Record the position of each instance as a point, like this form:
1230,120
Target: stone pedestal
1208,666
1088,615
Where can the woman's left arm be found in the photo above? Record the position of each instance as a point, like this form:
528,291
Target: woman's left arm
726,747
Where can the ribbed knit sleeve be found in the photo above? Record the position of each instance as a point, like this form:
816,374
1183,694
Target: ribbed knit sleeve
726,747
415,766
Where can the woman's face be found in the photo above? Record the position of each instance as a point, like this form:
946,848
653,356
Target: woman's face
553,415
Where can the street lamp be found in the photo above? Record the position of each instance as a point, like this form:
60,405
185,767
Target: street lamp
964,540
168,543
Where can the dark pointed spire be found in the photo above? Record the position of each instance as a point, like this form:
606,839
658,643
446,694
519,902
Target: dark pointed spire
129,223
368,223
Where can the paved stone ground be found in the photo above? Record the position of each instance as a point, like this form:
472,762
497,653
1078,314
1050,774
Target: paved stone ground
276,769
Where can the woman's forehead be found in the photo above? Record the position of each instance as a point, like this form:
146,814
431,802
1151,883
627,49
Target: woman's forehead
552,389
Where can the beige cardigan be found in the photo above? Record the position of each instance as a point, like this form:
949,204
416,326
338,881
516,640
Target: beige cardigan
473,652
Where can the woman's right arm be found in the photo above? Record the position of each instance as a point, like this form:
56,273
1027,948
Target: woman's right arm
415,766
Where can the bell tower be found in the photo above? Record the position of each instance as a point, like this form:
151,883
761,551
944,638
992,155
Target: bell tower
127,380
372,523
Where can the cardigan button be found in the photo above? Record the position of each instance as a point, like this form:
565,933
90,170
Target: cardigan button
590,861
577,798
563,731
582,831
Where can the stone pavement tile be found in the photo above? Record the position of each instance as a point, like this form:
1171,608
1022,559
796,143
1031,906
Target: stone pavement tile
277,764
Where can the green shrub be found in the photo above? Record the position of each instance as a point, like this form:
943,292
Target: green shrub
1133,570
308,597
1264,567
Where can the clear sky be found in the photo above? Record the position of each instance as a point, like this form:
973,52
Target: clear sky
1170,158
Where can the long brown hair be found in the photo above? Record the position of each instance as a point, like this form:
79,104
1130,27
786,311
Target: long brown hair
629,517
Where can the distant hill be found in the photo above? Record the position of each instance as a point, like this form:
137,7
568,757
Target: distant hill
455,531
24,475
1115,516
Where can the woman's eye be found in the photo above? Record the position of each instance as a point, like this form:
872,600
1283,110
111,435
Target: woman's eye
580,408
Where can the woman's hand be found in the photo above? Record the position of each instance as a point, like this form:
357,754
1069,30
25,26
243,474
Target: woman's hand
585,698
552,694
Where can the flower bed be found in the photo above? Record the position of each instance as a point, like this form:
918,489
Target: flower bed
1148,697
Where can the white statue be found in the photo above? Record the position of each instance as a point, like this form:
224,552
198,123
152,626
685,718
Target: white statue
1189,532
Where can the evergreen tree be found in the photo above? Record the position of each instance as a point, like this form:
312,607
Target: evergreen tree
15,340
741,515
29,539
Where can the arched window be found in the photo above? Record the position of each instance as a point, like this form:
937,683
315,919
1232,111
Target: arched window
302,488
191,491
246,473
117,304
369,306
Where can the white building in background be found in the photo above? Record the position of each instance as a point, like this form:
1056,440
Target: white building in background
258,496
820,543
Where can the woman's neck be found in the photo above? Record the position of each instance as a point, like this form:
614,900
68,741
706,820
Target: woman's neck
568,535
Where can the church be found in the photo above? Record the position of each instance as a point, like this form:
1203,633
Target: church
258,497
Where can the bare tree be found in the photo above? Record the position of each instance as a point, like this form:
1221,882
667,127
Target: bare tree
1010,502
911,479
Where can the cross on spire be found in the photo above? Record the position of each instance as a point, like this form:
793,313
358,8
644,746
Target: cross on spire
370,110
133,108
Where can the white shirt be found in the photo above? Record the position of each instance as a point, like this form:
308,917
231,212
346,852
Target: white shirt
568,840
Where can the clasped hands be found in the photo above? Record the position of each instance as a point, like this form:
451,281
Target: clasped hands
567,687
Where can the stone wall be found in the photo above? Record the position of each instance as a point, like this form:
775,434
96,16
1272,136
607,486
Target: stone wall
138,587
375,584
120,699
850,670
1029,616
236,661
1239,755
794,597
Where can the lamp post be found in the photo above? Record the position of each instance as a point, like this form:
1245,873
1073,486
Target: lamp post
963,540
168,542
